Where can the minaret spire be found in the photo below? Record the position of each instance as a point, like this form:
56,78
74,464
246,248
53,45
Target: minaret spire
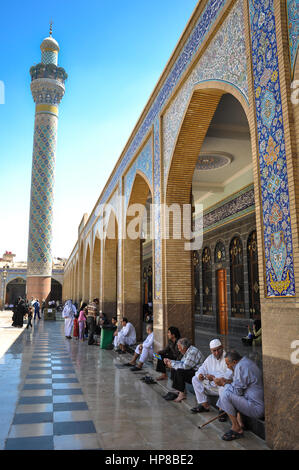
47,87
51,27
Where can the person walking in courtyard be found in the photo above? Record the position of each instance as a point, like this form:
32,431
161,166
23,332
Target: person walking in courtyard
68,314
205,381
244,395
30,314
36,306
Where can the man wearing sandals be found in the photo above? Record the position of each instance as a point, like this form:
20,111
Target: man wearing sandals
143,351
125,337
244,395
206,380
182,371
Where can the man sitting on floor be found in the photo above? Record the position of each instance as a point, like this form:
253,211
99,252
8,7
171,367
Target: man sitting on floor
125,337
207,377
144,350
244,395
182,371
170,352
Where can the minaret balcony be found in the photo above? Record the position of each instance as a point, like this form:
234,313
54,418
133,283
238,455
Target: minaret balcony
47,90
50,71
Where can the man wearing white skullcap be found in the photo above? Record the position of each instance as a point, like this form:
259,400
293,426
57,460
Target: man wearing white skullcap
211,377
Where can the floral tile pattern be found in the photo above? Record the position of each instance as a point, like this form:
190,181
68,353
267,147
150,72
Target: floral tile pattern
278,245
293,29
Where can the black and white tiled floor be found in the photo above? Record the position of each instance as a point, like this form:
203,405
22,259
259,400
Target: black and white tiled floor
51,412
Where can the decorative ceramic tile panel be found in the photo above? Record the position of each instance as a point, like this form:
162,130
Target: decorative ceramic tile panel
49,57
157,214
42,197
293,30
238,204
143,163
224,60
278,245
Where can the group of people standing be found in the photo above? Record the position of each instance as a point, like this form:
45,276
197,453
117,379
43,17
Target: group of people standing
85,321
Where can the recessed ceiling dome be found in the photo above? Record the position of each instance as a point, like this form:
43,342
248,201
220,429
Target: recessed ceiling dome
49,44
213,161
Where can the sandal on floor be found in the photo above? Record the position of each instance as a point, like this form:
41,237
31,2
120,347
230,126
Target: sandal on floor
149,381
232,435
170,396
199,409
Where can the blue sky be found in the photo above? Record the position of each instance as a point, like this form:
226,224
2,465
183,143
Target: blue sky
114,53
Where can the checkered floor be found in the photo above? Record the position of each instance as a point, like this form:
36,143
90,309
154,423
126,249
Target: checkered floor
51,413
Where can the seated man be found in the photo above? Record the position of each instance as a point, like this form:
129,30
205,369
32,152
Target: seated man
125,337
244,395
182,371
144,350
170,352
206,379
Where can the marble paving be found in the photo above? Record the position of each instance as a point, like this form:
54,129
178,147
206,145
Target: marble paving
63,394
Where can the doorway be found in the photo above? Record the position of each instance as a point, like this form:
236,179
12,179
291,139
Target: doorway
221,280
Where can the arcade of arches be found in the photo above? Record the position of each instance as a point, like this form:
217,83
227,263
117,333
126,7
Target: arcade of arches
206,147
17,288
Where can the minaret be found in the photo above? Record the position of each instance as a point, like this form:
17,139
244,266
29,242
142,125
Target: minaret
47,87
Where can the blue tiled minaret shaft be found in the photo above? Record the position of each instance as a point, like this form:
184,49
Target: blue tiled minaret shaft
47,87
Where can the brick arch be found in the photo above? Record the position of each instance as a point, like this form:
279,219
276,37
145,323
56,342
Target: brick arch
138,188
80,273
75,282
95,271
108,299
178,190
132,256
86,276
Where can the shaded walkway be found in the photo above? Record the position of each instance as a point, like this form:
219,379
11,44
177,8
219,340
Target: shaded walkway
67,395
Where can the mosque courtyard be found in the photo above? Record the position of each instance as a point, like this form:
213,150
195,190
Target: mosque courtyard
60,394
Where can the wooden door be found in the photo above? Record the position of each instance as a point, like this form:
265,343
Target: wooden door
222,302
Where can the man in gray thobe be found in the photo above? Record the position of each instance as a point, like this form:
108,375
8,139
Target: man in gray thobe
244,395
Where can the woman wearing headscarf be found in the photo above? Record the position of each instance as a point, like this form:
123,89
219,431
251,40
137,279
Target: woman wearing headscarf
68,314
19,312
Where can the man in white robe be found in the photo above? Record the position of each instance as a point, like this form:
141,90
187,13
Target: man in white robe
68,314
125,337
143,351
206,380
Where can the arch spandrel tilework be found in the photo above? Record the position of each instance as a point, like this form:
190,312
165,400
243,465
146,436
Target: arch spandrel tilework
224,60
143,163
209,16
293,30
278,247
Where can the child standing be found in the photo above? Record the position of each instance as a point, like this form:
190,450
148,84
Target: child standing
29,318
82,324
76,327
